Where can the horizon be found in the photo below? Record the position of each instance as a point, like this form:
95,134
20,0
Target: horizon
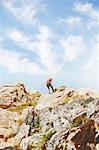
58,39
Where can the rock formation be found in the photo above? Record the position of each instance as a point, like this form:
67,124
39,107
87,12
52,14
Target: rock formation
65,120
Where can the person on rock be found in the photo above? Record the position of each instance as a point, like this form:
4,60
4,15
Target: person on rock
49,85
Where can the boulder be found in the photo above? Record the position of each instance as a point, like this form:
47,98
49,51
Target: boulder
80,138
14,141
37,141
14,127
11,95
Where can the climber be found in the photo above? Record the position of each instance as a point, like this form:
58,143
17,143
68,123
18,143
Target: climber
49,84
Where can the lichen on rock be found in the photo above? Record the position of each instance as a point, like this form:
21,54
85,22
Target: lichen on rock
65,120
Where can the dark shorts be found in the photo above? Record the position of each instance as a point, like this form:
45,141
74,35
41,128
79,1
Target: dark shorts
48,85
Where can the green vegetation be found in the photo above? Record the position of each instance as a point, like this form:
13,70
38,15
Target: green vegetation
77,96
87,101
37,124
19,122
34,95
47,136
23,106
41,142
79,121
67,99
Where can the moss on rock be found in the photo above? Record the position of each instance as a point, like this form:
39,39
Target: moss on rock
23,106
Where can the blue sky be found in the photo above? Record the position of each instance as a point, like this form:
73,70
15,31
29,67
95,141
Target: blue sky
43,38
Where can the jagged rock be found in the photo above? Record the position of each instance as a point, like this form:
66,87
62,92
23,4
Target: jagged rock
48,122
61,116
14,95
15,140
53,99
11,95
93,107
12,127
36,141
81,138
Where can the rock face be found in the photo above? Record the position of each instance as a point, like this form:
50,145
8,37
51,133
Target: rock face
16,115
80,138
65,120
10,95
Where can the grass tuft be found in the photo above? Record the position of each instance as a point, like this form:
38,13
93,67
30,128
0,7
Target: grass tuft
23,106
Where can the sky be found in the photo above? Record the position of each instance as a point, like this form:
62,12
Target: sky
49,38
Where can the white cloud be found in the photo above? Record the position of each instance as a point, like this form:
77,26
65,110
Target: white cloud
71,20
19,38
41,46
92,24
24,12
73,47
74,20
45,48
88,10
93,57
15,63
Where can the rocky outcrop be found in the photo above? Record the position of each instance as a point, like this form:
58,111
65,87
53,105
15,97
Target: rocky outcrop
64,115
13,127
10,95
37,141
16,115
65,120
80,138
15,95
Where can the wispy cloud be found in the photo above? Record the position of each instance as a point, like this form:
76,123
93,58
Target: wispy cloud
73,47
25,12
41,46
93,57
88,10
71,20
45,48
16,63
20,38
52,43
74,20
